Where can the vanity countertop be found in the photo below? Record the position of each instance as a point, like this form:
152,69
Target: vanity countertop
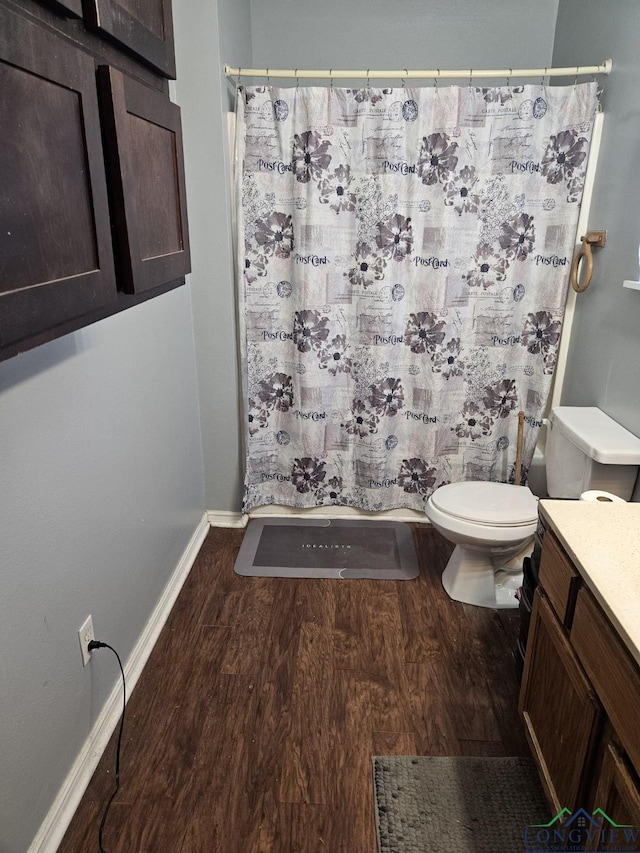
604,542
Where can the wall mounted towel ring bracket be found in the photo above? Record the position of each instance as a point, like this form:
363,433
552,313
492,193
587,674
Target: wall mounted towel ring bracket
592,238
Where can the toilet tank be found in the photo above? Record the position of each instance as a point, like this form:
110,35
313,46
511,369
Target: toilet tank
586,449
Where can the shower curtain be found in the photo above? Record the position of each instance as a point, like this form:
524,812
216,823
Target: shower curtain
403,260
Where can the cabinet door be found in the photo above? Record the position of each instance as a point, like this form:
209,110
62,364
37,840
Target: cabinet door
56,260
143,26
143,143
560,711
618,797
611,669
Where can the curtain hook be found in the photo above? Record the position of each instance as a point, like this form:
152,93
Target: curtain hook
368,80
404,81
239,76
268,83
543,76
435,80
331,76
297,80
575,82
509,77
470,76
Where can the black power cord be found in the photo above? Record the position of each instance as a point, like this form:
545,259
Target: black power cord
96,644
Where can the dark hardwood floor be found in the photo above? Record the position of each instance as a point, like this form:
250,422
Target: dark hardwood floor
252,727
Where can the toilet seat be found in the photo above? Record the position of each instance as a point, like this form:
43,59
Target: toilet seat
484,503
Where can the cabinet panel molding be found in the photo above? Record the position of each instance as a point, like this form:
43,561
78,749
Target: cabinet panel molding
65,7
143,144
144,27
55,236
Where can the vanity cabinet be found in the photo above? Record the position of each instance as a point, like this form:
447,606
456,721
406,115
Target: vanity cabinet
580,696
92,194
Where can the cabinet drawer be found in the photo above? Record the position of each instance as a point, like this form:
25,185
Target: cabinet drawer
558,578
612,670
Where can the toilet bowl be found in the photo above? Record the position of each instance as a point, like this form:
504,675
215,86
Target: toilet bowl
492,526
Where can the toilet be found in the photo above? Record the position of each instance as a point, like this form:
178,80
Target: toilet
493,524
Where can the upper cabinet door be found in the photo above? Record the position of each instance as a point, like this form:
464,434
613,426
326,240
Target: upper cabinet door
145,27
56,260
143,144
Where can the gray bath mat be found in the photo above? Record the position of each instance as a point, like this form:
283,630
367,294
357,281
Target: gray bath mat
322,548
466,805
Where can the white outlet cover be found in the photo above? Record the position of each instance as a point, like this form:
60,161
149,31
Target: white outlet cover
85,635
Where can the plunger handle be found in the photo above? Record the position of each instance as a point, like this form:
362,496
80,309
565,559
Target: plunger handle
517,475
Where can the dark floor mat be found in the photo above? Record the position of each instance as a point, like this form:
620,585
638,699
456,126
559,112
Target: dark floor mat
322,548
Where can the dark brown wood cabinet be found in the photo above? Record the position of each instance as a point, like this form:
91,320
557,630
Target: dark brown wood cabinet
92,195
56,258
143,141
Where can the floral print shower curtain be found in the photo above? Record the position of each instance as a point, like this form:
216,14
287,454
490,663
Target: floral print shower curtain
403,259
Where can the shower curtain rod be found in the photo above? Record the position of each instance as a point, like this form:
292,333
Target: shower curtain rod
434,73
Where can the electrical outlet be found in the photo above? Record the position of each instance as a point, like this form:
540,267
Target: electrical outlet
85,635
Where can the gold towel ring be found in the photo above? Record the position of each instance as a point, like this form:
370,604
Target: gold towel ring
592,238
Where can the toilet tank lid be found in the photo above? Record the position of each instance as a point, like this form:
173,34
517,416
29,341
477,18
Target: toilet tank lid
597,435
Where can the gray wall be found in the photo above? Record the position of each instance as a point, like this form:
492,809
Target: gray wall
402,34
203,95
604,357
101,489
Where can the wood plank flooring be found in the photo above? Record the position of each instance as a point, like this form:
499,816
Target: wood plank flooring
252,727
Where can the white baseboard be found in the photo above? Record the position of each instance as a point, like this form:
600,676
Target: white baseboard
59,817
224,518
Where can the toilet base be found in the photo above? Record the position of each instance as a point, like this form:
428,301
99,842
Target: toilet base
474,576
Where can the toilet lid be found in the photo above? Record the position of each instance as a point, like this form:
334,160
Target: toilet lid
499,504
